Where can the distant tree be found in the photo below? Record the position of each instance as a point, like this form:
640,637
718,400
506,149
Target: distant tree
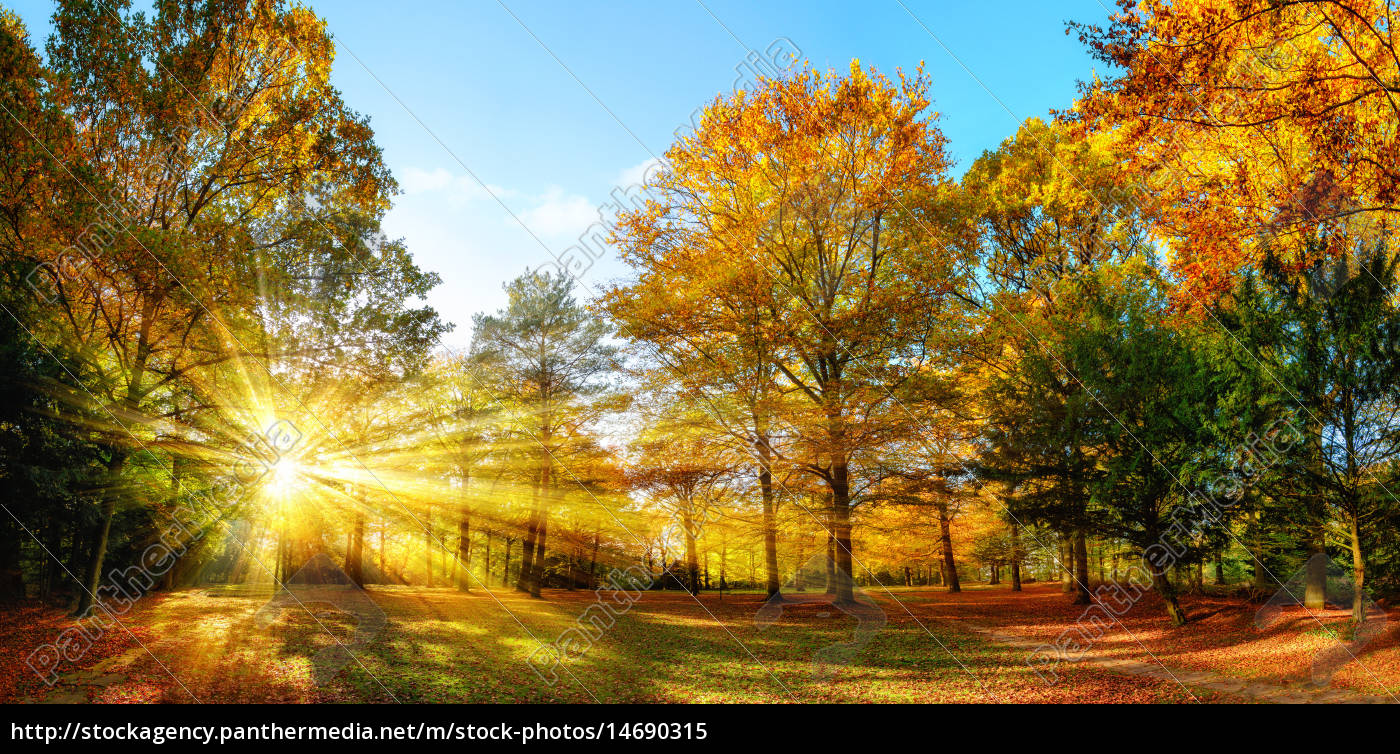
547,356
686,475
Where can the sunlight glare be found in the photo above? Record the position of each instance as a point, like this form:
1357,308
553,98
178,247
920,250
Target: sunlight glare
285,476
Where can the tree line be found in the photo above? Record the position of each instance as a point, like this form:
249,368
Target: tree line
1138,332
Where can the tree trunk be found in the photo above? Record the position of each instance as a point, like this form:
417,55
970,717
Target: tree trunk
464,549
799,579
11,570
1164,587
1081,569
537,579
841,512
723,563
1261,582
49,576
692,562
77,555
383,573
428,545
104,531
1066,563
665,569
831,551
770,518
1015,558
354,554
505,565
486,581
1315,578
1358,573
527,551
950,568
593,562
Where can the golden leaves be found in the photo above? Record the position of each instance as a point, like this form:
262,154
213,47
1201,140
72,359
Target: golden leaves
1259,120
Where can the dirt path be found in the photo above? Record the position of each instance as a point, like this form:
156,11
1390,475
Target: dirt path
1197,679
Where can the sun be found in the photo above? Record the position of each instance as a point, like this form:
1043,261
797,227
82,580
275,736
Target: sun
285,477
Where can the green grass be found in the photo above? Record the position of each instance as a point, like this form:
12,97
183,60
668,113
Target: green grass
439,645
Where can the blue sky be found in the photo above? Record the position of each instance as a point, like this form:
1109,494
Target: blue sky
477,74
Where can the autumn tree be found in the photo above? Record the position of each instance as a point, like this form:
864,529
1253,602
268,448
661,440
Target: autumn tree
685,474
1249,120
825,187
206,138
709,348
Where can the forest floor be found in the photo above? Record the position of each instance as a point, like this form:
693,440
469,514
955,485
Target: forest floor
439,645
1229,644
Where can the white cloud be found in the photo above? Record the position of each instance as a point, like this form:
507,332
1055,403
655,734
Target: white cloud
459,189
634,175
558,213
417,181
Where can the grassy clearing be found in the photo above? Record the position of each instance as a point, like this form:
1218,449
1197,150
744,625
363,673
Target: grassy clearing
439,645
